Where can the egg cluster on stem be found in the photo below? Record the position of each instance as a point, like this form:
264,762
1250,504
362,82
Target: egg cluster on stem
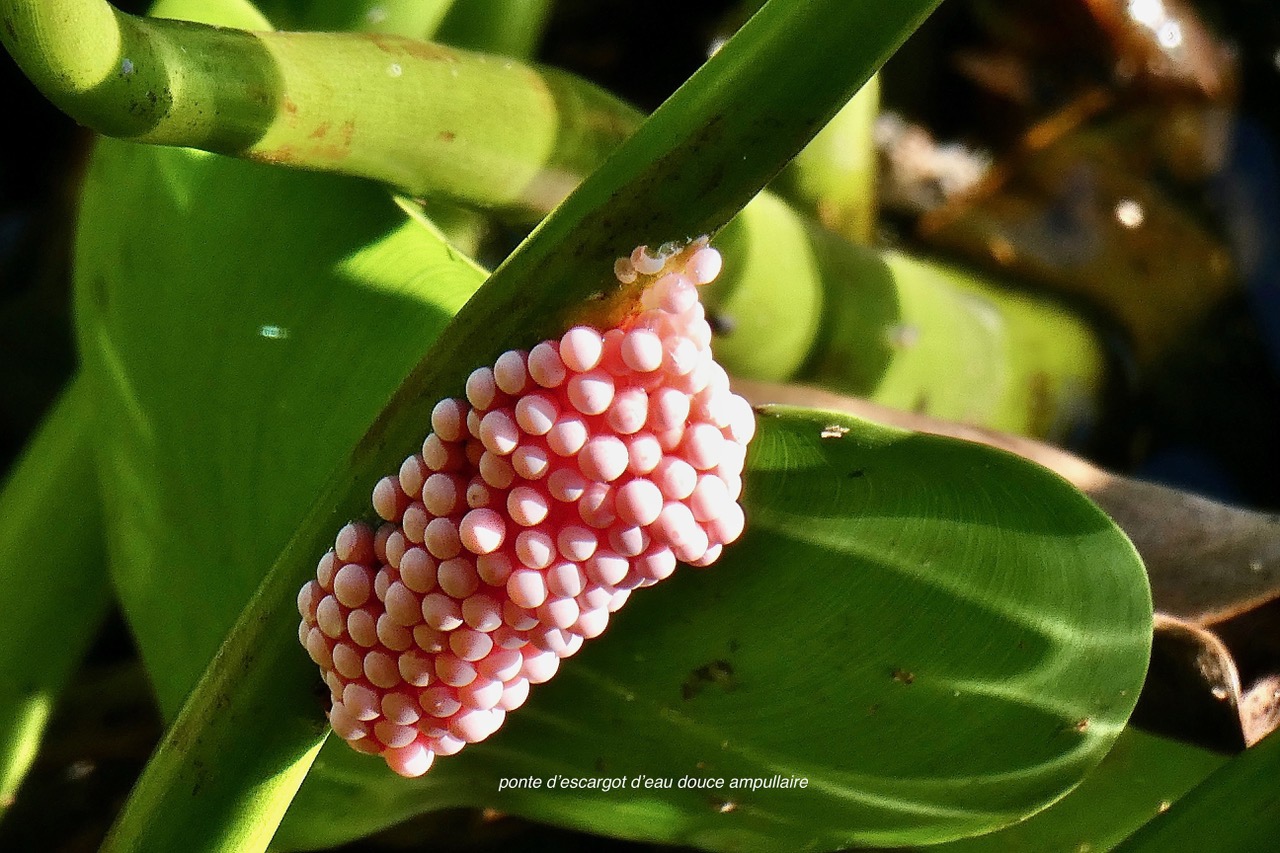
570,475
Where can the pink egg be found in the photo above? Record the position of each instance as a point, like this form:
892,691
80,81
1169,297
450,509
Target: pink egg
454,671
564,579
545,366
704,266
441,538
638,502
591,393
481,388
496,470
411,761
514,694
470,645
536,413
527,506
603,458
509,372
567,435
539,666
531,462
527,588
448,419
482,612
457,577
441,612
644,453
668,409
642,350
413,473
607,568
629,411
416,668
581,348
481,694
494,569
535,549
499,432
482,531
576,543
566,485
595,507
418,570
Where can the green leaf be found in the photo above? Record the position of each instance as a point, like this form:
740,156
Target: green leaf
53,567
939,636
1235,809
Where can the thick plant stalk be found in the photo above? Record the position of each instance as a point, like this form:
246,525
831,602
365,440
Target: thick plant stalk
323,101
1235,810
506,27
834,177
60,586
903,331
226,770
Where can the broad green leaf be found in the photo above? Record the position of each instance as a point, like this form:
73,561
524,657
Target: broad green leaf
53,569
230,383
939,636
1235,810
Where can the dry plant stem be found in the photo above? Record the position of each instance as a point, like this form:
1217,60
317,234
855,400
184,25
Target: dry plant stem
322,101
60,579
1207,561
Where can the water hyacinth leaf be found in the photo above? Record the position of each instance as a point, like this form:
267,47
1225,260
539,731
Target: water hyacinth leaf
1235,810
262,375
939,636
52,559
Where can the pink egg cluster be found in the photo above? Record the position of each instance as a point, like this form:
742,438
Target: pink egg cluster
571,475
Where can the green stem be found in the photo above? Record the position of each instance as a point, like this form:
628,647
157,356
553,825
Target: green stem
417,19
224,772
903,331
488,131
505,27
1237,809
834,178
53,560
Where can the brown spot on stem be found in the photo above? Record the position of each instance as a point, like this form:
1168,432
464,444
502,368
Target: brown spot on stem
319,132
400,46
446,136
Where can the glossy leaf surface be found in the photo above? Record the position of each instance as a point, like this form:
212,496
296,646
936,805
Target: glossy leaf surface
939,636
